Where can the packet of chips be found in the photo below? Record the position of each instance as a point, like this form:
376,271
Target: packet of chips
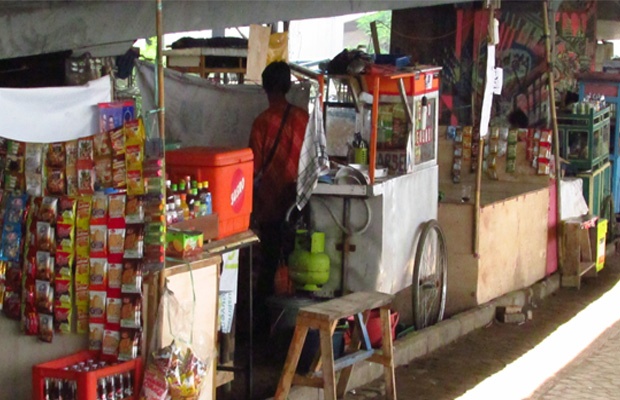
116,206
115,271
96,308
95,336
131,310
134,241
46,327
86,150
131,281
110,341
62,319
63,265
134,210
103,145
129,344
98,272
86,180
113,310
44,294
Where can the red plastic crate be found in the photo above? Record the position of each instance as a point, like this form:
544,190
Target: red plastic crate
86,381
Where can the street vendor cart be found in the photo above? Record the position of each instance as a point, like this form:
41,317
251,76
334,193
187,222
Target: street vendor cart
381,232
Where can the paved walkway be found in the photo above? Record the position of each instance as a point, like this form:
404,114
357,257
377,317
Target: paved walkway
569,350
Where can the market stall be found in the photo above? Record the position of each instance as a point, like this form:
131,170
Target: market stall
377,217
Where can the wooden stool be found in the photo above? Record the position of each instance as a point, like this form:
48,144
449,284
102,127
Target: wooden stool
324,317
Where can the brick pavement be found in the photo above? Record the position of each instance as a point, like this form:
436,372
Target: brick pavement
507,353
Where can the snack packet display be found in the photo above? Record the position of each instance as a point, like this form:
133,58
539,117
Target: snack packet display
110,342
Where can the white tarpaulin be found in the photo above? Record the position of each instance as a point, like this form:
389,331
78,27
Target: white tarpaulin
55,114
201,113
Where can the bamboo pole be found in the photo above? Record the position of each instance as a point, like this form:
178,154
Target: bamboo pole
554,122
159,22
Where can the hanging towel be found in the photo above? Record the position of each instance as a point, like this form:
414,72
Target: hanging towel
313,156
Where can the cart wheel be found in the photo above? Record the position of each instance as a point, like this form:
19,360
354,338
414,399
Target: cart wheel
430,273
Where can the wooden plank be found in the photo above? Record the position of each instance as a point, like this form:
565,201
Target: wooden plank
315,382
290,365
258,48
585,245
223,377
388,352
207,51
346,306
586,266
231,242
329,371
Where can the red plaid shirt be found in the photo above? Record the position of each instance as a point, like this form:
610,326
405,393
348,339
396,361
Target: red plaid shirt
272,196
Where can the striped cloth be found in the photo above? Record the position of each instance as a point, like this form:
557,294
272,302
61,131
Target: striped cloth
313,156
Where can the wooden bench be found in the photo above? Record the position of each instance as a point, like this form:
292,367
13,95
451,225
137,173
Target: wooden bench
579,250
324,317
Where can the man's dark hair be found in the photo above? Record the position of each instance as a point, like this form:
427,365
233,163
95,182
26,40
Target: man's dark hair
277,77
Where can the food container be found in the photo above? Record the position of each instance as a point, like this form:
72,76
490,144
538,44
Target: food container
229,172
182,244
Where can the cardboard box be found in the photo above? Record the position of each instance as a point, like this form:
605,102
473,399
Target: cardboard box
208,225
183,244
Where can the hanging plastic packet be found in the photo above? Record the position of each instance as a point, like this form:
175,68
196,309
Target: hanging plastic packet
98,272
134,210
95,336
131,281
113,310
110,342
46,327
131,310
71,177
44,294
134,241
129,344
62,319
97,304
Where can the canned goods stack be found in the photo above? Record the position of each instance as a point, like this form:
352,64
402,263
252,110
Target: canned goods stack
84,377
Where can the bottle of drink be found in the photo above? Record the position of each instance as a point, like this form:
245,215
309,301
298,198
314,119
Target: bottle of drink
175,192
110,389
188,183
178,210
101,390
205,198
128,384
169,193
184,206
182,187
196,210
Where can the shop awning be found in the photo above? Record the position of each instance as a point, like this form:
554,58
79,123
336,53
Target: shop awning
38,27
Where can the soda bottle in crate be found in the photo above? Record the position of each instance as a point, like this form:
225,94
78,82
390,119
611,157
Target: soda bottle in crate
82,377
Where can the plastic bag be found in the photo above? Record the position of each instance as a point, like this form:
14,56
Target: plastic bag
176,370
278,47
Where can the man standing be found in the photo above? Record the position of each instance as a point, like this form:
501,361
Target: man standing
276,140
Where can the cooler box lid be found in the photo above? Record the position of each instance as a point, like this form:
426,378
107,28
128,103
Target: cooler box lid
202,156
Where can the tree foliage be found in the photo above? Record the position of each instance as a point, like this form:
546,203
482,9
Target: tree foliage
384,26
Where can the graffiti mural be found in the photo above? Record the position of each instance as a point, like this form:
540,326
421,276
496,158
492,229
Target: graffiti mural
460,49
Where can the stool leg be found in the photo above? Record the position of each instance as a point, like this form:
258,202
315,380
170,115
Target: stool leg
357,337
290,365
388,352
327,356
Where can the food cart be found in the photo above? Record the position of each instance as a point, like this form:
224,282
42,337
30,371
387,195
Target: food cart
381,234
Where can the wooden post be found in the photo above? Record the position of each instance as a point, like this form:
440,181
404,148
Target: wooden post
554,123
159,21
373,130
375,37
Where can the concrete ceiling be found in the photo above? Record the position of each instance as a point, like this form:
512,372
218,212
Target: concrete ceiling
38,27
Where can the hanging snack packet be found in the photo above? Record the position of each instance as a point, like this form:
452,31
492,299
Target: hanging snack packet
99,209
65,238
131,310
82,243
44,236
134,241
103,145
98,235
81,295
66,210
135,182
86,180
56,155
31,321
46,327
34,169
103,172
56,181
129,344
48,210
96,309
132,276
110,342
44,294
114,275
98,272
62,319
113,310
62,292
86,149
45,266
82,317
83,212
119,172
117,137
116,207
64,262
116,241
134,210
95,336
71,152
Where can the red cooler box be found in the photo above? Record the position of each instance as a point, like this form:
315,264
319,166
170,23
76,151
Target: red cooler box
229,172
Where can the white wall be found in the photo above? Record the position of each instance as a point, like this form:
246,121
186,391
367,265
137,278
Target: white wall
20,353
